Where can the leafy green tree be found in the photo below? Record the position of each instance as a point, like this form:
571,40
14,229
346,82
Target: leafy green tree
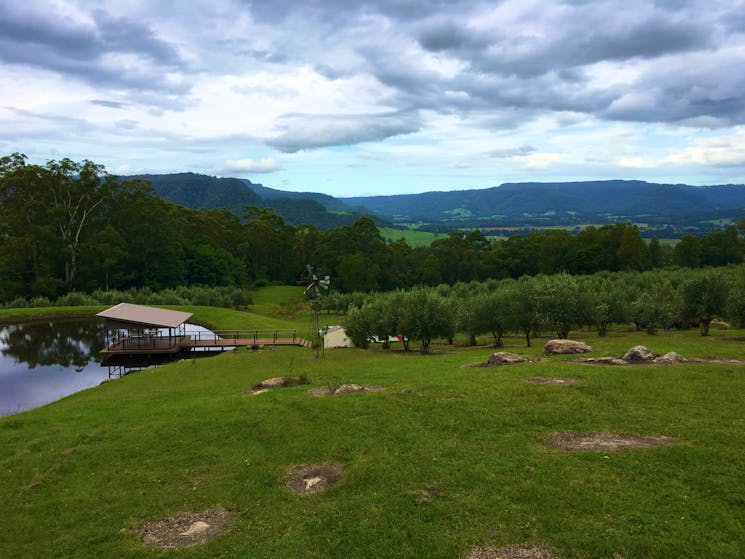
523,311
560,302
632,253
735,309
425,315
357,272
491,313
687,252
719,248
607,302
656,306
704,298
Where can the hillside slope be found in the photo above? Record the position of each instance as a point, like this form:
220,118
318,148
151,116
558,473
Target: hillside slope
614,198
202,191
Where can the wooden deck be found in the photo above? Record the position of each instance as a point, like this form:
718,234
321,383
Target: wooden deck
172,346
148,346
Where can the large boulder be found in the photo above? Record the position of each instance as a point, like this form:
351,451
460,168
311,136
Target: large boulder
563,347
504,358
639,354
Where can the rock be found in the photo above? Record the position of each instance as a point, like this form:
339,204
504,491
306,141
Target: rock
310,483
563,347
604,361
504,358
278,382
198,527
351,388
347,388
670,358
274,382
639,354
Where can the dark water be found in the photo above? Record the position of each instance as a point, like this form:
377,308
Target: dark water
44,361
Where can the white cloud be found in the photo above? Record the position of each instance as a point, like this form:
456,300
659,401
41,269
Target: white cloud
720,151
492,90
635,163
264,165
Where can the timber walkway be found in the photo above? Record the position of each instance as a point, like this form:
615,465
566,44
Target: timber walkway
203,341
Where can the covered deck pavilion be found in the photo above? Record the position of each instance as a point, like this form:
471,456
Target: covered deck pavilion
141,330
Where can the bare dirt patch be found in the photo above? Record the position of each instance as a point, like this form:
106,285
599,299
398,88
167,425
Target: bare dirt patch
522,551
610,442
343,389
278,382
186,528
425,494
551,380
308,479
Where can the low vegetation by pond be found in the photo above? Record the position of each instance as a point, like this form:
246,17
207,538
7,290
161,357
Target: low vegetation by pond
443,461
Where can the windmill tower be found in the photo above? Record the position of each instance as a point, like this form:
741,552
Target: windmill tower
313,293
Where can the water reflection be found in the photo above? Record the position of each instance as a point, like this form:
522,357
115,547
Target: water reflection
43,361
64,343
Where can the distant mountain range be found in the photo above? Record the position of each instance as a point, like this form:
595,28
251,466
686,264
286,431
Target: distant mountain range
510,204
576,201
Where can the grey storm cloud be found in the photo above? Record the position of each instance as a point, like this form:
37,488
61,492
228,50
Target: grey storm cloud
315,131
88,50
547,64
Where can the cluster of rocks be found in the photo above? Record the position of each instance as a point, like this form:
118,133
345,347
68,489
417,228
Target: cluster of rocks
639,355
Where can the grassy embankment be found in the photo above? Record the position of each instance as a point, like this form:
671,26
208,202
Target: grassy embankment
79,474
274,308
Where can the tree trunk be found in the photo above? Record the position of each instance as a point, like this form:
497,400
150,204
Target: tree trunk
705,323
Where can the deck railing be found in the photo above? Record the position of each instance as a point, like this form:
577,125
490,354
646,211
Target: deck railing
219,336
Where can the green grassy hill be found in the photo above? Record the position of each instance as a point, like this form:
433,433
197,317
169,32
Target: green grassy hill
79,476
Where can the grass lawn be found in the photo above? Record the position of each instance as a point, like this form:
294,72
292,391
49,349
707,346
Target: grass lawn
80,474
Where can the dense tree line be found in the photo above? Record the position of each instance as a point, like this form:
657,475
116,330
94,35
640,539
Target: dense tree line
69,226
554,304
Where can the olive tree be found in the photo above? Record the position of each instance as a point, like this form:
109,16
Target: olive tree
523,313
705,297
560,302
425,315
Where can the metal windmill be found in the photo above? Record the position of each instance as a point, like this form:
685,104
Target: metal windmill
313,293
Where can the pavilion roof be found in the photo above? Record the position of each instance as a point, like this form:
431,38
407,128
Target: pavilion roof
146,316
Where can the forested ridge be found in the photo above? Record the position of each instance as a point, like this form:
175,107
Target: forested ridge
204,192
70,226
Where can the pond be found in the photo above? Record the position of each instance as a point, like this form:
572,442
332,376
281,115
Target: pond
43,361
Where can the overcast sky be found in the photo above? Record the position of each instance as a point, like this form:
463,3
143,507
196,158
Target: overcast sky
350,97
